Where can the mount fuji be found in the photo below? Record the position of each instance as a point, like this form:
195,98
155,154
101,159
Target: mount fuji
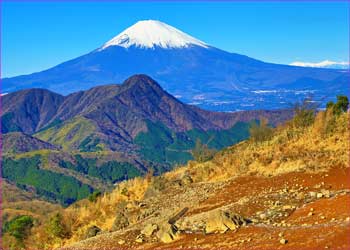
191,70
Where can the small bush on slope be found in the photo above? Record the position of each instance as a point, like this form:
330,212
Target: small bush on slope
201,152
261,132
340,106
19,228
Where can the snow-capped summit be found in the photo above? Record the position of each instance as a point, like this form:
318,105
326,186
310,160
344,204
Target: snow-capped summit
152,33
323,64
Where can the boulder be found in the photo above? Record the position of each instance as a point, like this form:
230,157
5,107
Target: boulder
313,194
178,215
319,195
92,231
149,230
283,241
221,221
139,238
120,222
167,233
121,242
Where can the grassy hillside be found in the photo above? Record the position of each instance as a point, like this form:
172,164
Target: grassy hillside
54,186
306,144
161,145
72,134
67,177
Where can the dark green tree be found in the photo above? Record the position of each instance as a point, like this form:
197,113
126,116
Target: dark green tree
56,227
340,106
93,197
19,227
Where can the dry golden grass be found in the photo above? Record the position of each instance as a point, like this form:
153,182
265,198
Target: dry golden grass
317,147
101,213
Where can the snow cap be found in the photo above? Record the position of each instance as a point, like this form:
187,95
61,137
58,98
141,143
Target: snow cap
151,34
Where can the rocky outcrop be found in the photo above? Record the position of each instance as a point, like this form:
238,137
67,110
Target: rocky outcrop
92,231
168,231
149,230
215,221
222,221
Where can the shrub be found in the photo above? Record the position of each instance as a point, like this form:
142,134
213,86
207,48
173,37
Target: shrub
93,197
304,113
125,191
159,183
56,227
340,106
201,152
260,132
19,227
320,123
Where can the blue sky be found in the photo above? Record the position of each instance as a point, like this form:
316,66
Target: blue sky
39,35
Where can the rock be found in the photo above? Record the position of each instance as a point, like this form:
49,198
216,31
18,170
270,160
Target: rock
221,221
121,242
277,203
287,207
262,216
120,222
313,194
178,215
145,213
310,214
149,229
92,231
283,241
139,238
255,221
141,204
319,195
300,196
167,233
326,193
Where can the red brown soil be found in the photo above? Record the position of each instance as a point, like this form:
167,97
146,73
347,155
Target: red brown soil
327,228
331,231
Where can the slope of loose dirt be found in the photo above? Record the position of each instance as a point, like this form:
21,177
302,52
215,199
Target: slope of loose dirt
305,221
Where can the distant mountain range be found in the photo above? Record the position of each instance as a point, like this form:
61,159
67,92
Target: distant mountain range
189,69
324,64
